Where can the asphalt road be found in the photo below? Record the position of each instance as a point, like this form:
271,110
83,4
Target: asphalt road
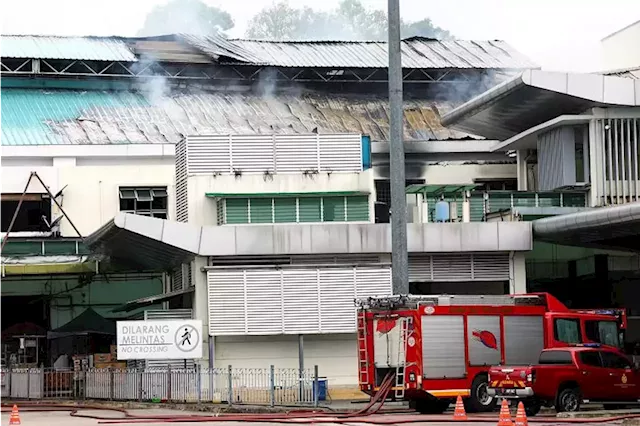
64,419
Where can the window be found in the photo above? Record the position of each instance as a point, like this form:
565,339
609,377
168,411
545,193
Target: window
605,332
34,215
150,201
591,358
567,330
579,143
613,360
294,209
555,357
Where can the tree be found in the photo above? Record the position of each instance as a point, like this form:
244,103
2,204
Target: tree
186,16
350,21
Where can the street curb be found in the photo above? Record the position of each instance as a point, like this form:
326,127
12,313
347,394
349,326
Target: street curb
599,413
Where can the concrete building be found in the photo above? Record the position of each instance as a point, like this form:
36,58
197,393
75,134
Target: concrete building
620,49
256,181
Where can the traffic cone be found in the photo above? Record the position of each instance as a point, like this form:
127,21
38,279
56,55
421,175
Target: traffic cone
459,413
521,416
505,414
14,419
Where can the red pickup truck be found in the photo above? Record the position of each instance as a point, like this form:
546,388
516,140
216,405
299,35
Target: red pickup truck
567,377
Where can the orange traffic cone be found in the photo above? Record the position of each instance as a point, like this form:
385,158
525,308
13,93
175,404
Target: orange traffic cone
505,414
14,419
459,413
521,416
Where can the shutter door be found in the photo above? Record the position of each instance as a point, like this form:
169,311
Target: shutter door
459,267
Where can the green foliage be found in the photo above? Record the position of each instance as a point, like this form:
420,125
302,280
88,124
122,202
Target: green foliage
350,21
186,16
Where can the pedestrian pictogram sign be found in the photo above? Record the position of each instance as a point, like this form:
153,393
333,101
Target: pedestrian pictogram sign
170,339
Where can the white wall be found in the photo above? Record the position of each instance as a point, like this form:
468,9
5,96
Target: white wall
620,50
334,354
91,195
442,174
202,210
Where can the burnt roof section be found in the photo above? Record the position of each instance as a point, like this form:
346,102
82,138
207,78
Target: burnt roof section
417,52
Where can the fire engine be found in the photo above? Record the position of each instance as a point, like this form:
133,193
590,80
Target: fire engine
440,347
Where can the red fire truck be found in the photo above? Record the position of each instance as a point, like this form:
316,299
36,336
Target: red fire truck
440,347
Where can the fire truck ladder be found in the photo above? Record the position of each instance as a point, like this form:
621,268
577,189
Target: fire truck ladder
363,355
402,357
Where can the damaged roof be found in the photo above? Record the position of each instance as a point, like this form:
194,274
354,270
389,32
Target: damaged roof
417,52
43,117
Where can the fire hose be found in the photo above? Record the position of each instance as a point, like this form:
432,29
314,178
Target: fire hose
311,416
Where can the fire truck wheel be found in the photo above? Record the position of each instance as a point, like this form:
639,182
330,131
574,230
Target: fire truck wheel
568,400
479,401
531,408
430,406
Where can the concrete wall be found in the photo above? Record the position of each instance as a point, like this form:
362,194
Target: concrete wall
620,49
453,172
91,195
202,210
69,298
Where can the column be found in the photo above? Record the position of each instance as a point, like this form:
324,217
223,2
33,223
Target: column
521,167
517,273
201,305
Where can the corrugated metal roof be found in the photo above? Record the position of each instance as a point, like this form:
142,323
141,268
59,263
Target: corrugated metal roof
39,117
626,72
417,52
74,48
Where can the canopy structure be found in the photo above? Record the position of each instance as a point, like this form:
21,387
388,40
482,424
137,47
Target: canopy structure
535,97
152,300
87,323
615,228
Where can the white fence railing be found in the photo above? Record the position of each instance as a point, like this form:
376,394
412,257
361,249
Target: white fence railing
271,386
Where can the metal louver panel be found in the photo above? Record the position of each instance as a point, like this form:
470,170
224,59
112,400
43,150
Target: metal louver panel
176,279
340,153
168,314
291,301
182,202
491,267
459,267
452,267
296,154
227,309
264,301
337,293
274,153
300,301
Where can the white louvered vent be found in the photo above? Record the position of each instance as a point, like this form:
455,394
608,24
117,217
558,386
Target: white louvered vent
224,154
182,202
459,267
291,301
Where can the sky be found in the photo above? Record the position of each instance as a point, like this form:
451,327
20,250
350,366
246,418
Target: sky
559,35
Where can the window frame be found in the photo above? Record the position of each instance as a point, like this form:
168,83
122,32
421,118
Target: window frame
573,320
568,361
628,363
598,355
146,195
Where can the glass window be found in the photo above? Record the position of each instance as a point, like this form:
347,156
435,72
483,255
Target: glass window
567,330
333,209
605,332
144,201
358,208
591,358
143,195
613,360
261,210
309,209
555,357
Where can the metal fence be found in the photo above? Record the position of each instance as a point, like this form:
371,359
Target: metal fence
270,386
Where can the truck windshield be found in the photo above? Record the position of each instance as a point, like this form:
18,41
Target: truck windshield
605,332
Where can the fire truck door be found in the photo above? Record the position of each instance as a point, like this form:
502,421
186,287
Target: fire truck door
386,342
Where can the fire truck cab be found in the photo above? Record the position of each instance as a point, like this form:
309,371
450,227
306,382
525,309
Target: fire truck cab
441,347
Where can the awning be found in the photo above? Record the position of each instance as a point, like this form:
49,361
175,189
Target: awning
87,323
46,265
606,227
145,242
537,96
437,190
152,300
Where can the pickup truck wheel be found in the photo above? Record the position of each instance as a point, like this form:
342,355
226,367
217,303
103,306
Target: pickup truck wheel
479,400
568,400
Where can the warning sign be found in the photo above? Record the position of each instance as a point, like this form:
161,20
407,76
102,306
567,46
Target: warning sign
173,339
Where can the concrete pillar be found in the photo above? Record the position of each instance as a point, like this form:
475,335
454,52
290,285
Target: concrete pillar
201,304
517,273
521,167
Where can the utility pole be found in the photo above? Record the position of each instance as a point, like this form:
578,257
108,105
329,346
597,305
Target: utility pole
400,258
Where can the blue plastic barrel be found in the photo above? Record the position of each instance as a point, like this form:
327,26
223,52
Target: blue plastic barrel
322,389
442,211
